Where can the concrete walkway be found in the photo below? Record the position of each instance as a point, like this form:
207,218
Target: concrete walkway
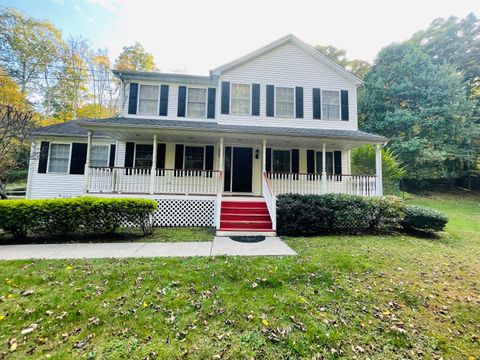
271,246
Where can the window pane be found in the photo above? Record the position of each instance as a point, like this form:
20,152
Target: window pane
241,99
148,100
319,162
143,155
330,104
58,158
281,161
194,157
197,101
284,102
329,164
99,155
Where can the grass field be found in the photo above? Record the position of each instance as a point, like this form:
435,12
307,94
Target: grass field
381,297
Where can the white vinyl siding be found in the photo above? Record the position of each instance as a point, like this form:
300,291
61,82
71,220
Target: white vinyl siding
59,158
99,155
284,102
148,99
240,99
330,104
196,102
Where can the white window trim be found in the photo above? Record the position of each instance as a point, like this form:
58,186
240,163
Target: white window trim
185,155
69,157
109,149
283,149
275,102
206,102
138,100
250,99
339,105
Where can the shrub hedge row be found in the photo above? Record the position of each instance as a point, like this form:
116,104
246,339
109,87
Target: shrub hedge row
74,215
423,219
310,215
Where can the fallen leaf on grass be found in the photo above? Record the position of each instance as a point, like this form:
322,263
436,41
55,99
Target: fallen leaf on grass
2,317
69,268
13,345
26,292
265,322
29,329
9,296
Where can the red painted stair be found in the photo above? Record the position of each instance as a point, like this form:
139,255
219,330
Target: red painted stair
245,216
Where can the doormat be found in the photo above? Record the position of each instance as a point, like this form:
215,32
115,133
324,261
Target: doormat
248,239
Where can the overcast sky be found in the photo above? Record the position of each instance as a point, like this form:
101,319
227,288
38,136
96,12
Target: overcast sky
199,35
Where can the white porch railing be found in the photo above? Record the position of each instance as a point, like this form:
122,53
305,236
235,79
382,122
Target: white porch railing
283,183
270,199
138,180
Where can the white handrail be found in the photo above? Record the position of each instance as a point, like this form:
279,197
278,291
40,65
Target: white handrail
270,199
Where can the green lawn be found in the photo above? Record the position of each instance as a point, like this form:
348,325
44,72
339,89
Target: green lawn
383,297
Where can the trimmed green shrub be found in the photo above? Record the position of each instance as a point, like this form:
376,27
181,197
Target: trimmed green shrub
309,215
76,215
423,219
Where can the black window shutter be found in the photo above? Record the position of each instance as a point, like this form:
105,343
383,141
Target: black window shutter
163,100
268,162
209,157
255,99
299,102
43,157
311,161
317,104
337,159
132,98
179,156
129,152
270,100
225,97
182,101
111,160
211,103
161,151
79,158
295,161
344,102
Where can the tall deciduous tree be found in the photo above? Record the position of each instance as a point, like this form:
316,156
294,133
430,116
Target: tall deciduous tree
356,66
135,58
422,107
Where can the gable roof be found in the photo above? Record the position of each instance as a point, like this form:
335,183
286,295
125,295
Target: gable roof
290,38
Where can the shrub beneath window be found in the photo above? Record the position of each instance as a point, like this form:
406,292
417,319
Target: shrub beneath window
309,215
77,215
423,219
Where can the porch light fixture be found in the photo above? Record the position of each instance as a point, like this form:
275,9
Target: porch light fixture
257,153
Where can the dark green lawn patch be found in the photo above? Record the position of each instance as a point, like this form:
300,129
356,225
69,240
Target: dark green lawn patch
378,297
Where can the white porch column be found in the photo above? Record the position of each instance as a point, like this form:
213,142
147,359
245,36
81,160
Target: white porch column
324,168
154,165
220,165
378,168
264,155
349,161
87,161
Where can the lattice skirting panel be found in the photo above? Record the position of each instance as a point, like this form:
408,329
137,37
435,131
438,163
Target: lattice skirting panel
188,212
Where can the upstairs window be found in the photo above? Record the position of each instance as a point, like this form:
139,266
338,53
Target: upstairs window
241,98
194,157
143,155
148,100
285,102
281,161
99,155
330,104
197,103
59,158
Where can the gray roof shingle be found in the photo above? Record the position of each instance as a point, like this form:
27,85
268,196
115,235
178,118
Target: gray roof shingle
67,128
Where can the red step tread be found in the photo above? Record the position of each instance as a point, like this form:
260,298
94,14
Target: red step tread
244,204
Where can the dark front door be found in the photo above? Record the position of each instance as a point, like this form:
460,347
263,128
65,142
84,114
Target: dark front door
241,169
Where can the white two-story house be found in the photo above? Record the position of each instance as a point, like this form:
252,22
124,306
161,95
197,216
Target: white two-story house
216,150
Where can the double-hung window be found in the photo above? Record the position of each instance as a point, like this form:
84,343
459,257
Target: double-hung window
197,102
331,104
329,165
285,102
59,158
281,161
194,157
143,155
99,155
241,99
148,100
